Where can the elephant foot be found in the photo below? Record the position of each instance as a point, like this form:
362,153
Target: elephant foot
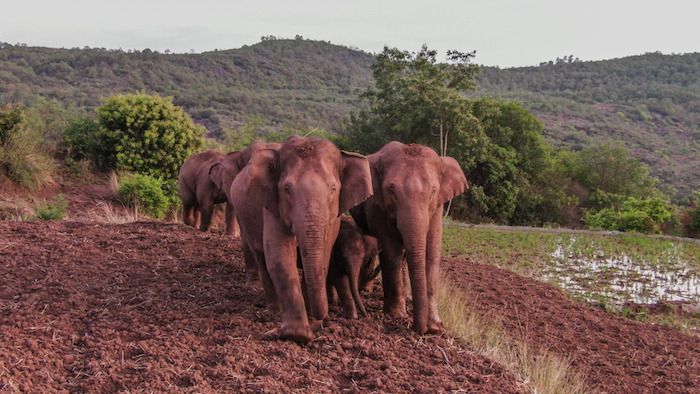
350,315
435,327
398,311
296,332
252,279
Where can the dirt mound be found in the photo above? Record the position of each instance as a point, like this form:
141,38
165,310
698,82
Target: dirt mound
155,306
88,307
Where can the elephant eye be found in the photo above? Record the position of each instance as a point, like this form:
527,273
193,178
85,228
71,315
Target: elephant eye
287,189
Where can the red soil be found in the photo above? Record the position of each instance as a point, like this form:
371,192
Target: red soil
154,306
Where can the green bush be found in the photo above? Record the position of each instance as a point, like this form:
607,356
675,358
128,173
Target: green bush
56,210
146,193
605,219
147,134
631,214
83,139
22,159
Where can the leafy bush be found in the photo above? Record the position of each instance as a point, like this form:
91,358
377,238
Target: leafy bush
147,134
146,193
22,159
632,214
56,210
83,139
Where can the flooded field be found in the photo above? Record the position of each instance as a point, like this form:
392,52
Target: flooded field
616,277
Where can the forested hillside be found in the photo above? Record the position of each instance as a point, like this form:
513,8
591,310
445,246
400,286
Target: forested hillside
649,103
286,82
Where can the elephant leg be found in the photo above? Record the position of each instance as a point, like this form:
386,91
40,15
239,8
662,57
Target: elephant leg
232,227
252,272
354,287
340,280
188,214
346,300
196,217
330,291
433,257
391,261
281,258
207,211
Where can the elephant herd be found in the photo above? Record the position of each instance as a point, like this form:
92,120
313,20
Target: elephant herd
288,200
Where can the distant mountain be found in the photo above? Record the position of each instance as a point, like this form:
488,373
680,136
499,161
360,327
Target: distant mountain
286,82
649,103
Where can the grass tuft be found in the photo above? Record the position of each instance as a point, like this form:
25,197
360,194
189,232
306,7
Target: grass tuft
541,372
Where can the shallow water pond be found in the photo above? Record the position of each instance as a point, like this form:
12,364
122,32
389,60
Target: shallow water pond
620,278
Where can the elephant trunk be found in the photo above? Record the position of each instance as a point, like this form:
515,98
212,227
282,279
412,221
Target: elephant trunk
413,225
314,250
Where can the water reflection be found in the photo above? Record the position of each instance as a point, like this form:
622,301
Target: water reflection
619,278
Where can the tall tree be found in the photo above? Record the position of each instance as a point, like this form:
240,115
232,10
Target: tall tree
415,99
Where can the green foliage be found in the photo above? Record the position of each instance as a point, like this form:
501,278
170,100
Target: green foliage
148,134
415,99
647,104
612,170
692,226
22,158
83,139
146,193
55,210
10,120
629,214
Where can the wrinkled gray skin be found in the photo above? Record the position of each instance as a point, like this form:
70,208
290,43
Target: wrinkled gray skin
411,184
353,266
201,188
291,198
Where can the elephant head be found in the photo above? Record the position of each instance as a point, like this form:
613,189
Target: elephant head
411,184
303,188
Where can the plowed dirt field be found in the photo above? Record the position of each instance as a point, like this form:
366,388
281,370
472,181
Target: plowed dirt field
156,306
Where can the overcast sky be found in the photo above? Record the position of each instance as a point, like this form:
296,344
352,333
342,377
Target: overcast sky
503,33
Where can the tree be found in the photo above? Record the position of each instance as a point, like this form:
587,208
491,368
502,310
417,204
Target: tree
415,99
147,134
497,143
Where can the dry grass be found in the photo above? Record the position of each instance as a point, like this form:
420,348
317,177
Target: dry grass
540,372
105,212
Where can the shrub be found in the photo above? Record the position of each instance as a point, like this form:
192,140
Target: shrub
55,210
21,158
147,134
146,193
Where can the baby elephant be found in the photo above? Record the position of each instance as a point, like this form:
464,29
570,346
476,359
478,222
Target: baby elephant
353,266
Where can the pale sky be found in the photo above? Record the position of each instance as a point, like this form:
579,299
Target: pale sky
503,33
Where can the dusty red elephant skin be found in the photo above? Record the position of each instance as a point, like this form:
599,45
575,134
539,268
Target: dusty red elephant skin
88,307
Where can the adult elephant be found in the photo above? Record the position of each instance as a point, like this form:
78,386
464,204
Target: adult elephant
290,199
205,180
411,184
200,186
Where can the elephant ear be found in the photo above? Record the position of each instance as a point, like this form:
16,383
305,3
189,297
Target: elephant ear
231,166
376,170
260,177
267,170
215,173
453,182
355,181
